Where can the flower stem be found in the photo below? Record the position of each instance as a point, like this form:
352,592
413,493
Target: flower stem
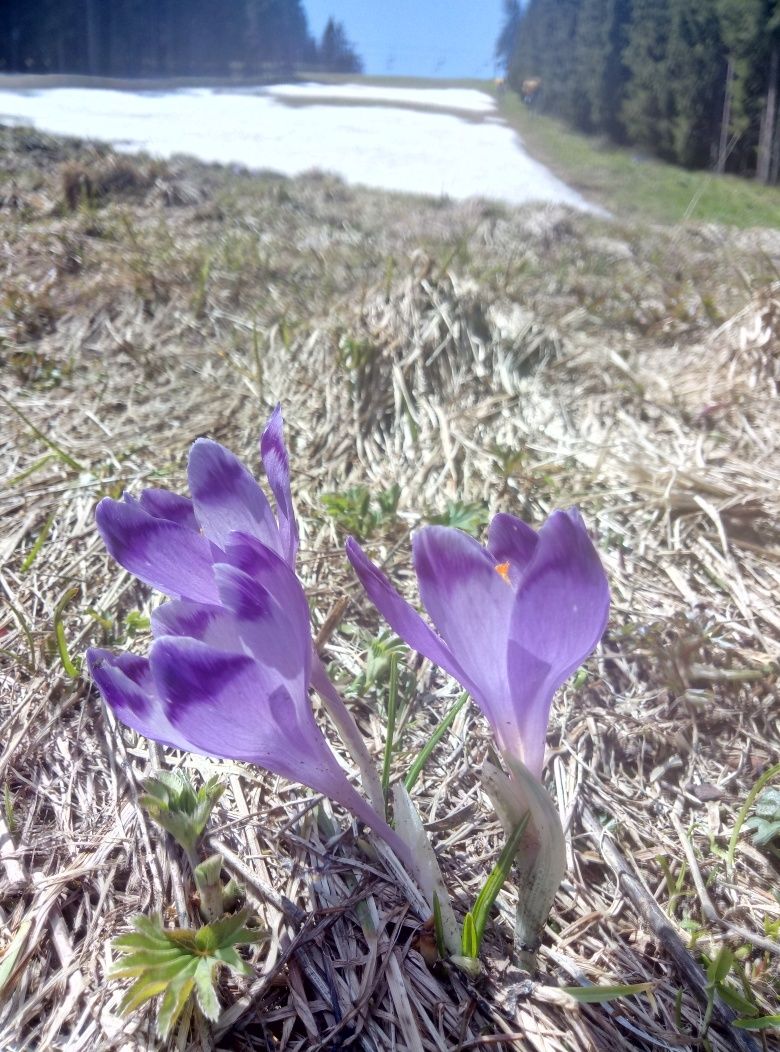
351,736
392,698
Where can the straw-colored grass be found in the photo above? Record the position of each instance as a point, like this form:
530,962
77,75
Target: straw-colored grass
529,359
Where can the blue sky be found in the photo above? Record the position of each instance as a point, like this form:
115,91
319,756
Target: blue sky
433,38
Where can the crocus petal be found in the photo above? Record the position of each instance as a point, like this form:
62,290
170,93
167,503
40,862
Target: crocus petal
210,624
166,505
277,468
226,497
559,617
401,616
276,640
126,685
510,540
257,560
161,553
470,603
229,705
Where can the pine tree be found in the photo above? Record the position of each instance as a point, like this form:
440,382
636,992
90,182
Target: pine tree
336,53
545,48
742,29
507,38
600,75
696,69
647,112
768,128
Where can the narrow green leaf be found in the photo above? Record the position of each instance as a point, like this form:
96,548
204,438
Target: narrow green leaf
762,1022
767,776
740,1004
35,466
59,633
498,876
720,966
11,953
392,700
153,971
469,943
143,941
140,992
416,769
39,542
594,995
39,434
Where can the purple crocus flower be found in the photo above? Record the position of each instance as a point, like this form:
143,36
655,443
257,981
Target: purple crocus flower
514,618
229,670
172,543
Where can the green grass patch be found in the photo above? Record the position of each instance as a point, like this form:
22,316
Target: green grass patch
631,185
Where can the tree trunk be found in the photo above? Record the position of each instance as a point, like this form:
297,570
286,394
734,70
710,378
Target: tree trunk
774,168
93,37
767,131
723,151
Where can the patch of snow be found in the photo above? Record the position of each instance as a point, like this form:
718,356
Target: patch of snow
464,99
393,149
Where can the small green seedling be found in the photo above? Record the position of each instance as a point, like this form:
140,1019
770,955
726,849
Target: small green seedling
722,974
179,963
137,623
471,517
765,822
173,802
359,512
376,670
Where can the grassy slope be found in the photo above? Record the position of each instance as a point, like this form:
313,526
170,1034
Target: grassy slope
625,182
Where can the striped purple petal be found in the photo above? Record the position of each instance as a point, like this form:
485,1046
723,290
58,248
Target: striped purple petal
277,469
470,603
227,498
161,553
402,617
166,505
126,685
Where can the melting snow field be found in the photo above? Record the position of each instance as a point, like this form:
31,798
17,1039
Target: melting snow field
403,139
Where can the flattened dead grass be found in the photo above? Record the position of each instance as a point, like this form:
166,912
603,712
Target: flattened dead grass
528,359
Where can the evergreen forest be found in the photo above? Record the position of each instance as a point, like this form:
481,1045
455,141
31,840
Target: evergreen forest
151,38
694,82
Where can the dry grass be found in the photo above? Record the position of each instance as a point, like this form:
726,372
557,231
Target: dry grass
528,359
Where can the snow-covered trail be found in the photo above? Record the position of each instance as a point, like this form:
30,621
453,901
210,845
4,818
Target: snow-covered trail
437,141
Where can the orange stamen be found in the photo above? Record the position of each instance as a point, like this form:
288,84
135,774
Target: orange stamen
502,569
